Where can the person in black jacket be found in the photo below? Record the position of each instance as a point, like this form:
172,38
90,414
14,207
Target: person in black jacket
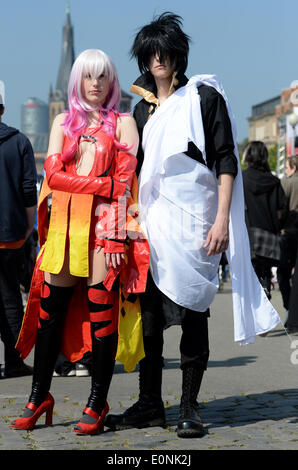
161,49
18,200
288,283
266,208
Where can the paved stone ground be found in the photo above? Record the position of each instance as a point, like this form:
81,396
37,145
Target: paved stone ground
249,397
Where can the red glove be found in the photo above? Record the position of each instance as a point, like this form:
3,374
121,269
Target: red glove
113,245
114,241
58,179
126,164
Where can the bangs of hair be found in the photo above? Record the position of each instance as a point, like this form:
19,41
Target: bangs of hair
165,38
94,69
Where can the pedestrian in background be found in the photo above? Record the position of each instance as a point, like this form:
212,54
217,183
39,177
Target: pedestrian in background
265,207
18,200
289,245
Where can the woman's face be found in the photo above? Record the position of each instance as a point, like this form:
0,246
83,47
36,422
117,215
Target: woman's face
161,70
95,90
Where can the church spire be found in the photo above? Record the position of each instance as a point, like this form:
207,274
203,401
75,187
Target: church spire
67,57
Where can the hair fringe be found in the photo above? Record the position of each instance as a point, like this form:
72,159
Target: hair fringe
163,36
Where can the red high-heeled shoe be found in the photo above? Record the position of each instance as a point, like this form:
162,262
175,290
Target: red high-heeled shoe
29,423
95,428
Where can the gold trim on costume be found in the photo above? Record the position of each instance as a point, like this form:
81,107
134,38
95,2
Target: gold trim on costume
174,83
147,95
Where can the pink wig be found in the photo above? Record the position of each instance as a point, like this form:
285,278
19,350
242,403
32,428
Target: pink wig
93,62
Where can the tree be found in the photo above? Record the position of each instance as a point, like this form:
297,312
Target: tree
272,159
241,148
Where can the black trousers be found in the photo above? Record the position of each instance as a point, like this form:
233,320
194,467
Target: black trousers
293,302
159,312
289,251
262,267
11,304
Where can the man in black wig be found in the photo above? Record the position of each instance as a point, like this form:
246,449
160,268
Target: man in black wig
161,49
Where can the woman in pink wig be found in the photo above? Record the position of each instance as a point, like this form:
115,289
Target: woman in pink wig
89,172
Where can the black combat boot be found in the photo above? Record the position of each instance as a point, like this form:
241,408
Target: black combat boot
189,423
149,409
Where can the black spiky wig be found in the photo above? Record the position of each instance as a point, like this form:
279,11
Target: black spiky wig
164,37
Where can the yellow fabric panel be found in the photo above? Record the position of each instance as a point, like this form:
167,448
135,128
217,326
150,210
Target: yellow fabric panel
130,344
79,228
55,245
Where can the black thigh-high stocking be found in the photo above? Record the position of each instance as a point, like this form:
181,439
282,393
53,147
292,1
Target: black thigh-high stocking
53,306
104,308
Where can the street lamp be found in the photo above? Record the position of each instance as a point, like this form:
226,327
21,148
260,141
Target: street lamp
293,121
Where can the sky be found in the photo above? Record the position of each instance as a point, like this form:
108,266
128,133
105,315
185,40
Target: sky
251,45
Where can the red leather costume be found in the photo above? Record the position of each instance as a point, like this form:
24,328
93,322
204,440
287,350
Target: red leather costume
112,170
106,183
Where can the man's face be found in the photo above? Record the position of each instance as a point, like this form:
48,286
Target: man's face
289,171
161,70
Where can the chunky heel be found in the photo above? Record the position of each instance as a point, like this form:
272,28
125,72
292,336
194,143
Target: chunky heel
46,406
49,417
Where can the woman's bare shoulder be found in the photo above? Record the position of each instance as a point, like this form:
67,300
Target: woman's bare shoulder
57,134
59,119
126,119
126,122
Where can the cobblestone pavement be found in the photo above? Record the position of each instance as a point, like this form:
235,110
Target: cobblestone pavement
249,398
248,422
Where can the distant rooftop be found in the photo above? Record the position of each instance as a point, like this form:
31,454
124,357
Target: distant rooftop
34,103
266,107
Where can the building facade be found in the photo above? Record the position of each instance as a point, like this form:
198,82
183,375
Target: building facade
287,127
263,122
35,125
270,122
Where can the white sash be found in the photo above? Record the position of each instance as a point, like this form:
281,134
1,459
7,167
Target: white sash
178,204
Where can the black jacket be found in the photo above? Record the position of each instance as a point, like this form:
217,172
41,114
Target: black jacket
17,182
265,200
219,142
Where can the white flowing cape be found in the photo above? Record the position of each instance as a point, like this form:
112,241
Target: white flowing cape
178,204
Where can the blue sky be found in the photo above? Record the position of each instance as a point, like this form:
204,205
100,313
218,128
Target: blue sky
251,45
